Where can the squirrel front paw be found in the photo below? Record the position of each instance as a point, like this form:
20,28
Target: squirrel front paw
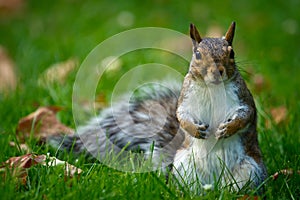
223,130
203,133
196,129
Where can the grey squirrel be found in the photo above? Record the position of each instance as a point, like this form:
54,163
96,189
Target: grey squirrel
206,128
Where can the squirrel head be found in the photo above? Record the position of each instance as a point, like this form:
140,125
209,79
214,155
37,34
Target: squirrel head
213,58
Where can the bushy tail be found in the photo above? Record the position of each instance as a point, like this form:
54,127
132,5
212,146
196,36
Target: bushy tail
68,143
146,124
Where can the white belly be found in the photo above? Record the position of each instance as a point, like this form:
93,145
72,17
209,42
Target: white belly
207,162
204,158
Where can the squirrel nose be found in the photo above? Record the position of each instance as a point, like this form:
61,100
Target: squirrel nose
221,70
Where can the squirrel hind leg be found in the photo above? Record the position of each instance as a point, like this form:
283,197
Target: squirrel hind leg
247,173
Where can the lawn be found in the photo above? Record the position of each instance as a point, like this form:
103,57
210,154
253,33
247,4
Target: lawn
37,35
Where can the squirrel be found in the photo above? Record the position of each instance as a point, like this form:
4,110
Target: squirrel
206,128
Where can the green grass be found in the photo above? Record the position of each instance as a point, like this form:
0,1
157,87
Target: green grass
41,34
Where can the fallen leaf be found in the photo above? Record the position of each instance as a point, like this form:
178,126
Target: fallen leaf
285,172
8,79
18,165
41,124
259,83
111,64
58,72
125,19
10,6
23,147
99,103
247,197
70,170
279,114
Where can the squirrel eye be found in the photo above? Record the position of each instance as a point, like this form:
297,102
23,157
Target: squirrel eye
231,55
198,55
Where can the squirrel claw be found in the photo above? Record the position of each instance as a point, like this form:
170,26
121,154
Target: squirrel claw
202,126
202,130
222,131
203,134
220,134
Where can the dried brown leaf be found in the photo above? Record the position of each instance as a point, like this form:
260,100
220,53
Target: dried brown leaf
279,114
259,83
23,147
24,161
58,72
111,64
10,6
8,78
70,170
99,103
285,172
247,197
18,165
41,124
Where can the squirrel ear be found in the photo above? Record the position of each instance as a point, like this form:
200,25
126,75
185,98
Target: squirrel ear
194,34
230,34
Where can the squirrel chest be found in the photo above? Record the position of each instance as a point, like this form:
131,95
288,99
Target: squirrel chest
209,104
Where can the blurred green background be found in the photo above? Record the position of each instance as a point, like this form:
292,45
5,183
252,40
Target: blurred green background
37,34
42,33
